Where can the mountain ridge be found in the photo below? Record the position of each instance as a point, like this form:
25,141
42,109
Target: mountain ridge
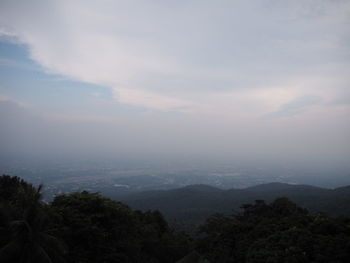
197,202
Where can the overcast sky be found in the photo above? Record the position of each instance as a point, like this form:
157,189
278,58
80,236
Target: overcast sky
241,79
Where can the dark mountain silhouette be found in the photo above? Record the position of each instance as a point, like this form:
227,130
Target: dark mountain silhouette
196,202
283,186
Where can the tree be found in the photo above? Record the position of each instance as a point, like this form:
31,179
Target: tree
94,228
276,232
26,239
98,229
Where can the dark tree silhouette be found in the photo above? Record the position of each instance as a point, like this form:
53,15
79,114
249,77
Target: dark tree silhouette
23,225
276,232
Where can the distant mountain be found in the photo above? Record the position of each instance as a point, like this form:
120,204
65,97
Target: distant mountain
282,187
196,202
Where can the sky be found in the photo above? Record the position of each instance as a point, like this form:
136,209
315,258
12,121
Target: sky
240,80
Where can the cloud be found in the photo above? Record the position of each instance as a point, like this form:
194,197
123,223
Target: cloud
25,131
296,106
150,100
168,56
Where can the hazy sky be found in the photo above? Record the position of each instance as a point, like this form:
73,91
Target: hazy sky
263,79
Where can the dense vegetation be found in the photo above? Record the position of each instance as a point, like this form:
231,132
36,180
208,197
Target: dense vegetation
279,232
80,227
88,227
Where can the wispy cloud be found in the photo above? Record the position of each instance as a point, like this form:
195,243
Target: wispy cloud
296,106
164,56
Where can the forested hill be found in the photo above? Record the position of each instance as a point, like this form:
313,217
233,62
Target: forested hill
196,202
83,227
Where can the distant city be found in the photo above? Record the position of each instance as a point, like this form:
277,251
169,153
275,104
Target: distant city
120,178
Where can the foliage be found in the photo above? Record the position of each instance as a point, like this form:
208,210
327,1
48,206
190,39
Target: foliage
100,229
278,232
23,225
94,229
85,227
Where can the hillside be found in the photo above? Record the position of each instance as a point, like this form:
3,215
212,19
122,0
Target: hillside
195,203
88,227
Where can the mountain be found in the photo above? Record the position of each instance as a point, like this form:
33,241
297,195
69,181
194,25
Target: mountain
282,187
192,204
